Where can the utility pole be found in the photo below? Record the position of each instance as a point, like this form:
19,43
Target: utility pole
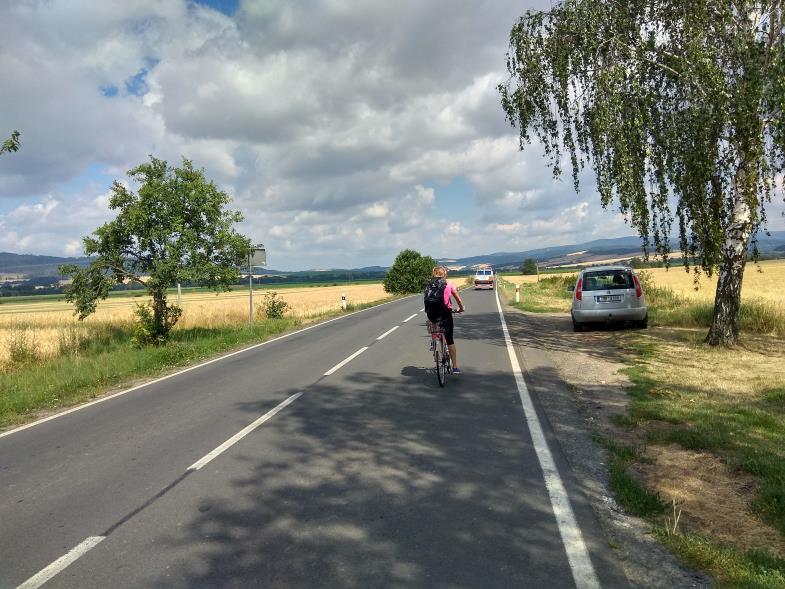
256,257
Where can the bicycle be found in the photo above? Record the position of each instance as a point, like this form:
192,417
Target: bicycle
441,355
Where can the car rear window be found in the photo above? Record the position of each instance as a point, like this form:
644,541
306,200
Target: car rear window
608,280
484,272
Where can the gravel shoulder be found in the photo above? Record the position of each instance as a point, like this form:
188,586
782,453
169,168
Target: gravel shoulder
574,378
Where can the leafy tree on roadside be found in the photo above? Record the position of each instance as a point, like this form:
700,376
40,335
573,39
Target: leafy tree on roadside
678,108
175,228
409,273
529,266
11,144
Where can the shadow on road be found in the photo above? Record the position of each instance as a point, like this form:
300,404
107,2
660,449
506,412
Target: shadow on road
385,481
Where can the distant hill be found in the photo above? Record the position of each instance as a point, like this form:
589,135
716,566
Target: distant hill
33,267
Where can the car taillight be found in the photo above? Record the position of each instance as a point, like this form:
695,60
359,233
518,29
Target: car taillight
579,290
638,289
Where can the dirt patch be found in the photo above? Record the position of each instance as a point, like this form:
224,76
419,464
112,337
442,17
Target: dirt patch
714,501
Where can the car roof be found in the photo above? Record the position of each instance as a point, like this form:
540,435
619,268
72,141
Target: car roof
606,267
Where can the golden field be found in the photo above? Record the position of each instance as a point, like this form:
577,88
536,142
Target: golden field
46,325
764,281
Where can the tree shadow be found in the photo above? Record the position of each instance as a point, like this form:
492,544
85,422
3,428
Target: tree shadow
383,481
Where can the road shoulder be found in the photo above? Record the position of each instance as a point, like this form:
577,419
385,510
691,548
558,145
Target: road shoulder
550,359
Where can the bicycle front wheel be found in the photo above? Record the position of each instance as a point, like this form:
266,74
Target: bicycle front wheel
440,366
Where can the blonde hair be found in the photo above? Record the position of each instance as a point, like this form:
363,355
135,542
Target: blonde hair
440,272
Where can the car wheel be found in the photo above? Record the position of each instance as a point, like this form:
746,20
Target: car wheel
644,323
575,325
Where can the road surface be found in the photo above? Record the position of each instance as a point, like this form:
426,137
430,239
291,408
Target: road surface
327,458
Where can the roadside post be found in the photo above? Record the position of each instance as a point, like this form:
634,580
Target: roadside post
343,301
256,257
517,293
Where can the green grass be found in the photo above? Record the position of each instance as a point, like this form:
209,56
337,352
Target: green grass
733,570
549,295
110,360
631,495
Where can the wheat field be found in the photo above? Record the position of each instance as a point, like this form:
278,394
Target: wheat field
764,281
47,326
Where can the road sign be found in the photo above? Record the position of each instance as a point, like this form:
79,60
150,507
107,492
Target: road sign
258,256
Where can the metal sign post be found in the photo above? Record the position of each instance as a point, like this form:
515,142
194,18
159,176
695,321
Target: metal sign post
256,257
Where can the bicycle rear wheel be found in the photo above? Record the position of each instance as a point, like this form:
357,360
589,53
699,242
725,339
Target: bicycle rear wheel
440,366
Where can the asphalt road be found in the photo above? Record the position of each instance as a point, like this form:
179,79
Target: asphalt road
371,475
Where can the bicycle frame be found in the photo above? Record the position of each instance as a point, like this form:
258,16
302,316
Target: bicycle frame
441,354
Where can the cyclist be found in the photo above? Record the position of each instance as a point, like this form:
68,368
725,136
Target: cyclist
438,307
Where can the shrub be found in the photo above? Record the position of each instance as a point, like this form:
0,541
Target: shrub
272,306
529,267
150,329
71,341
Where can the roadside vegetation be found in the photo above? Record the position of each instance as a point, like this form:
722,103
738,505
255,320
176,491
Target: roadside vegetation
700,454
45,365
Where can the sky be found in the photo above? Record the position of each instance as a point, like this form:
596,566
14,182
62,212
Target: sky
344,130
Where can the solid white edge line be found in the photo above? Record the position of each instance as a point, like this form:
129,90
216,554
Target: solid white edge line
388,332
242,433
410,318
577,554
61,563
179,372
346,361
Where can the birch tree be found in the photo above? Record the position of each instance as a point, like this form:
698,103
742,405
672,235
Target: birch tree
676,107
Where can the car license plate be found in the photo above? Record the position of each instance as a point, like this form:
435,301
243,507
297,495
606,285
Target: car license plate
609,299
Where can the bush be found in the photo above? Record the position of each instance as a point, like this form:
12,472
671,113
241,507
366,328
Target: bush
148,329
409,273
272,306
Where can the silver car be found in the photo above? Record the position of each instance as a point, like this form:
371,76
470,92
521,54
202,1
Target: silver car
605,294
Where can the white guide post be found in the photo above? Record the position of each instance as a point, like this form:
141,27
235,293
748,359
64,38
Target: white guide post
343,301
517,293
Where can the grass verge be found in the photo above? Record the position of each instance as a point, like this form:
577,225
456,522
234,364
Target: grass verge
730,403
109,360
549,295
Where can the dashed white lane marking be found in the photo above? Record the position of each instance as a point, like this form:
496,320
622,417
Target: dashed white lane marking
61,563
410,318
388,332
345,362
179,372
242,433
577,555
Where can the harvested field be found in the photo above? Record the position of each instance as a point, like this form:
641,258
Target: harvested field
43,329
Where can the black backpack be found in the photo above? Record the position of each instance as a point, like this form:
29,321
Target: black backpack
434,299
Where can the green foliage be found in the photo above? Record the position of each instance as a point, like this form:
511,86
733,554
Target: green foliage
409,273
174,229
153,328
272,306
11,144
529,267
670,103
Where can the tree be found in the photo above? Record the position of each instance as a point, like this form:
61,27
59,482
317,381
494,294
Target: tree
529,266
409,273
674,105
173,229
11,144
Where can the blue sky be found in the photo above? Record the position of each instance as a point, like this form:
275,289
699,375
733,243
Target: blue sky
344,131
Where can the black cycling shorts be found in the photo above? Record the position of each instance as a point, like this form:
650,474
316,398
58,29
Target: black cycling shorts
447,326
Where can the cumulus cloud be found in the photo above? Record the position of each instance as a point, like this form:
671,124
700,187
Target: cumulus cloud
338,127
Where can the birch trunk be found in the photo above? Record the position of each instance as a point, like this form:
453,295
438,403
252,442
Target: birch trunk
727,301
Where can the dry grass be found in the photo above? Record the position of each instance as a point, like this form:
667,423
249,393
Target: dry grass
46,328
